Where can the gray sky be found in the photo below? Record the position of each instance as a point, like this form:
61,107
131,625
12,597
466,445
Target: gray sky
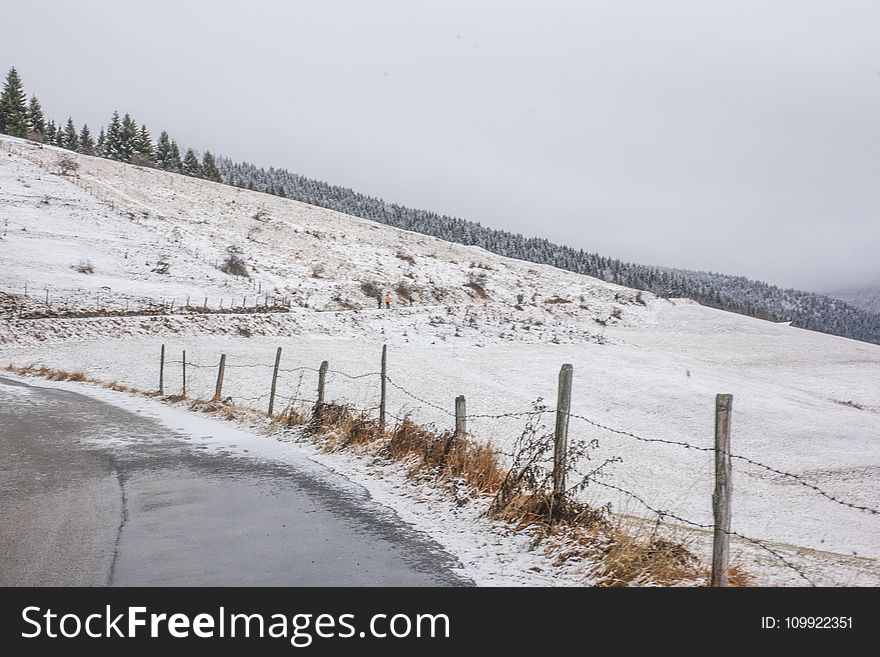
739,136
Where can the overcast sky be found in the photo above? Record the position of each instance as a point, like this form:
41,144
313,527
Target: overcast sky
739,136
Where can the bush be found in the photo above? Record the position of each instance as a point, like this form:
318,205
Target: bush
371,289
405,257
233,263
477,282
404,291
66,165
83,267
141,160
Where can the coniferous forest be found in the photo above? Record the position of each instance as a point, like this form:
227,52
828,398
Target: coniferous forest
124,140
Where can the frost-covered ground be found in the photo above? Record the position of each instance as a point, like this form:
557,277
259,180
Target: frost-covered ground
804,402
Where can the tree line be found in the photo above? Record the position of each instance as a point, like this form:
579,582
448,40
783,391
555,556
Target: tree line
123,140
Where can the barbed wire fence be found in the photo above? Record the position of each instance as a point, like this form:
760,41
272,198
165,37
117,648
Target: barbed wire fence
39,302
366,393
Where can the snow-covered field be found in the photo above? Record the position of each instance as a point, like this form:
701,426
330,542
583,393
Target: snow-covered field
804,402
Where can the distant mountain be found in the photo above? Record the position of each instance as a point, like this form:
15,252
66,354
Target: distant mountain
866,298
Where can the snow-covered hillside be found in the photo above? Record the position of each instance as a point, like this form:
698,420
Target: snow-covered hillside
867,297
804,402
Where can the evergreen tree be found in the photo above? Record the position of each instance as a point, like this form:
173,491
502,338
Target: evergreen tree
128,137
143,143
49,134
209,168
113,148
163,151
13,106
176,163
60,137
70,141
191,166
86,143
101,144
36,119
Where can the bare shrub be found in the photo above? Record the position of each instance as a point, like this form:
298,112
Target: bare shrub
233,264
141,160
405,257
66,165
616,313
639,299
404,291
371,289
525,497
162,267
477,282
35,137
318,270
83,267
556,299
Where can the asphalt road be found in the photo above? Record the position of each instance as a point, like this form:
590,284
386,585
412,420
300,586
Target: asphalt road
80,508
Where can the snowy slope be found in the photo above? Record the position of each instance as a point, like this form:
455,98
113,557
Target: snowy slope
804,402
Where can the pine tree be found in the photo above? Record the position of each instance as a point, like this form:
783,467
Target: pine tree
144,143
128,137
36,119
86,143
209,168
70,140
113,148
191,166
163,151
13,106
49,134
176,162
101,144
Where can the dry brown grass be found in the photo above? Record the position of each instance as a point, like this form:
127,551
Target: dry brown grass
218,407
632,559
335,427
65,375
448,457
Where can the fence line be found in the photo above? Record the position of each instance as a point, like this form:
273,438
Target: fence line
458,429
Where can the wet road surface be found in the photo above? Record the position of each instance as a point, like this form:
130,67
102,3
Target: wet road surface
92,494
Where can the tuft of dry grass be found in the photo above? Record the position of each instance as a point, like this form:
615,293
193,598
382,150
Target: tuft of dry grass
336,427
65,375
447,456
629,559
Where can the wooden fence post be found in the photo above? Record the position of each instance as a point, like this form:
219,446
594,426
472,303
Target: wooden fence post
723,489
322,376
460,428
218,390
274,380
183,387
560,445
162,371
383,391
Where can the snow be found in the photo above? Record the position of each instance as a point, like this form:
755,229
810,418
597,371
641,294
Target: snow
804,402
